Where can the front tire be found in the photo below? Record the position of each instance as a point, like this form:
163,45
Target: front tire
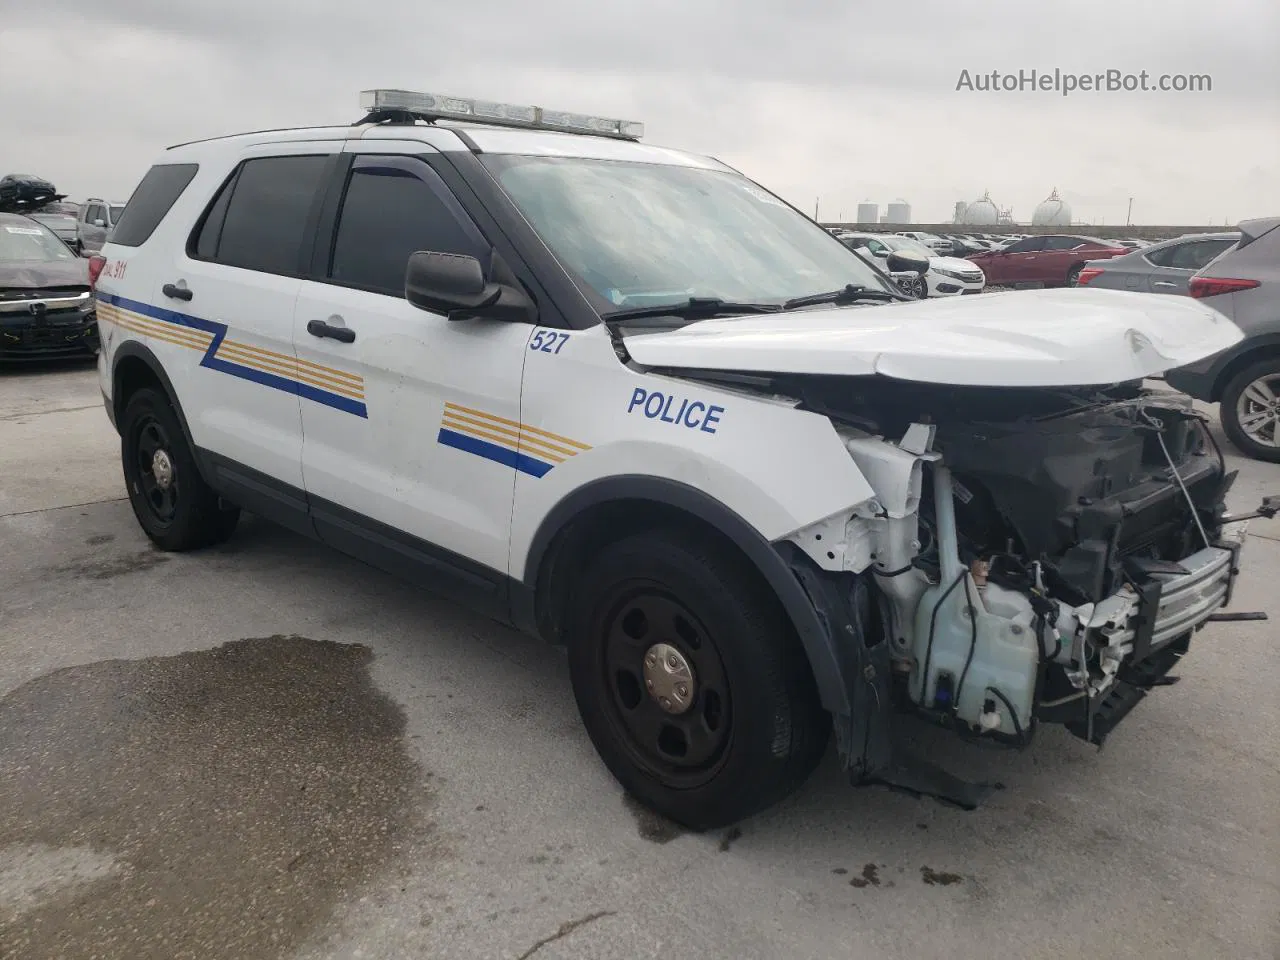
691,684
173,504
1250,410
916,287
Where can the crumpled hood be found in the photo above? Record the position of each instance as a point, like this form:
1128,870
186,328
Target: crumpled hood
29,274
1062,337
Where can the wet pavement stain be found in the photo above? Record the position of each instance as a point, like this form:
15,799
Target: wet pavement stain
870,877
652,826
111,567
936,879
220,802
731,836
100,539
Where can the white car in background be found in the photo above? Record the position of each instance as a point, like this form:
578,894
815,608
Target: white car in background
932,241
947,276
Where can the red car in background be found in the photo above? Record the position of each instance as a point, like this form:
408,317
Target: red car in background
1053,260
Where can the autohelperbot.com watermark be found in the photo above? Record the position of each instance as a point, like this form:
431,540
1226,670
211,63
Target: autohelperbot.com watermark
1065,83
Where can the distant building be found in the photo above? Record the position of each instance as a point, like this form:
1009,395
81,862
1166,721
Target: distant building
868,213
899,212
1052,212
961,206
884,218
983,212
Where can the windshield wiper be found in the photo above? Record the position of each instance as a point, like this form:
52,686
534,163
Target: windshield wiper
851,293
695,308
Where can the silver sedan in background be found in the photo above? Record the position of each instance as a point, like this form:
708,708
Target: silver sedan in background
1164,267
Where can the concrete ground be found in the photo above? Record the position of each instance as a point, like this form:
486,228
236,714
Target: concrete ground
268,750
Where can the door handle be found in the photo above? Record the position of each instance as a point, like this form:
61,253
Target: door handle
322,328
1162,283
175,292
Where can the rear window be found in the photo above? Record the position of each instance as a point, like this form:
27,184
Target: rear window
259,218
156,194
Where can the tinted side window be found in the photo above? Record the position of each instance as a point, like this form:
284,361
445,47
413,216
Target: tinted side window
1164,256
156,194
396,206
1062,243
1199,254
209,228
1023,246
267,213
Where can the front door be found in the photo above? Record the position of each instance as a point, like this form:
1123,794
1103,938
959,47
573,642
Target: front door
417,463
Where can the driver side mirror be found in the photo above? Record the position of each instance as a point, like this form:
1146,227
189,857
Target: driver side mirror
881,253
455,286
907,261
99,223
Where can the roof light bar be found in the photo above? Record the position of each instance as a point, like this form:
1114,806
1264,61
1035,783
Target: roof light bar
431,106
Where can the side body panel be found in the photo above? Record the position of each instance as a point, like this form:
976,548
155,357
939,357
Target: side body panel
778,468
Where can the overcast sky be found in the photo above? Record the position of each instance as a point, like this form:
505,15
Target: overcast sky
839,100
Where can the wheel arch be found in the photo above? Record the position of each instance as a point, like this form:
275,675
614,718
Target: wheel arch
1254,350
606,509
134,366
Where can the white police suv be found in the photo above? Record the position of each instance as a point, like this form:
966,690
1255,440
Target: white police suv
631,402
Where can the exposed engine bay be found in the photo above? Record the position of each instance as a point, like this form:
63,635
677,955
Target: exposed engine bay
1038,555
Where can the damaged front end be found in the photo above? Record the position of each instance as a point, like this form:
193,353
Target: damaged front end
1031,556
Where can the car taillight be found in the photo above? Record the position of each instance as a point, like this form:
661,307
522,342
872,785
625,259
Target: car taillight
96,263
1202,287
1087,274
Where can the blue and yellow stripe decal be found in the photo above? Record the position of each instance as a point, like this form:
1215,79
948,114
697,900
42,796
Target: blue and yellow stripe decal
528,449
280,371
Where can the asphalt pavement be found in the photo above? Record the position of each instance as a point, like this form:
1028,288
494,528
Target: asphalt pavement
267,750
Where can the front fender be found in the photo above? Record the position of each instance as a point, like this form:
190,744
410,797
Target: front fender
775,564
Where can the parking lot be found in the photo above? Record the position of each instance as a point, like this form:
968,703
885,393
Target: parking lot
268,750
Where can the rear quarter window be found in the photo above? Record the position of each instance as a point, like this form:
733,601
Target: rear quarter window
153,199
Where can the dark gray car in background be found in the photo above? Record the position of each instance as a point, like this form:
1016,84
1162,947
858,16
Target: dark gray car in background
1243,284
1164,267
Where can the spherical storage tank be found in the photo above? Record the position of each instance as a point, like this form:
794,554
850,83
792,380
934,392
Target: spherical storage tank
1053,212
982,212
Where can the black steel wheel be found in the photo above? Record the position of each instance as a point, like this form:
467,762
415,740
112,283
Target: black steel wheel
173,504
154,470
693,686
668,691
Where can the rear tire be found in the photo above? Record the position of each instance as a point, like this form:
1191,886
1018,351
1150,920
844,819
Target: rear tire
751,729
1073,275
1249,411
173,504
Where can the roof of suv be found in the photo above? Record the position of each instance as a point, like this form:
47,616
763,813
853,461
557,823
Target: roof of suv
459,137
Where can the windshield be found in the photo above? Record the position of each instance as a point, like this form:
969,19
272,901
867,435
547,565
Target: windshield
648,235
906,243
30,241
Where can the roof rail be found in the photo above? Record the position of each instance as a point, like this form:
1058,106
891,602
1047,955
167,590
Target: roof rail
406,106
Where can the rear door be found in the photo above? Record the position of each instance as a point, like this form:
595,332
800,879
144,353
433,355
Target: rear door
419,460
1173,266
234,288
